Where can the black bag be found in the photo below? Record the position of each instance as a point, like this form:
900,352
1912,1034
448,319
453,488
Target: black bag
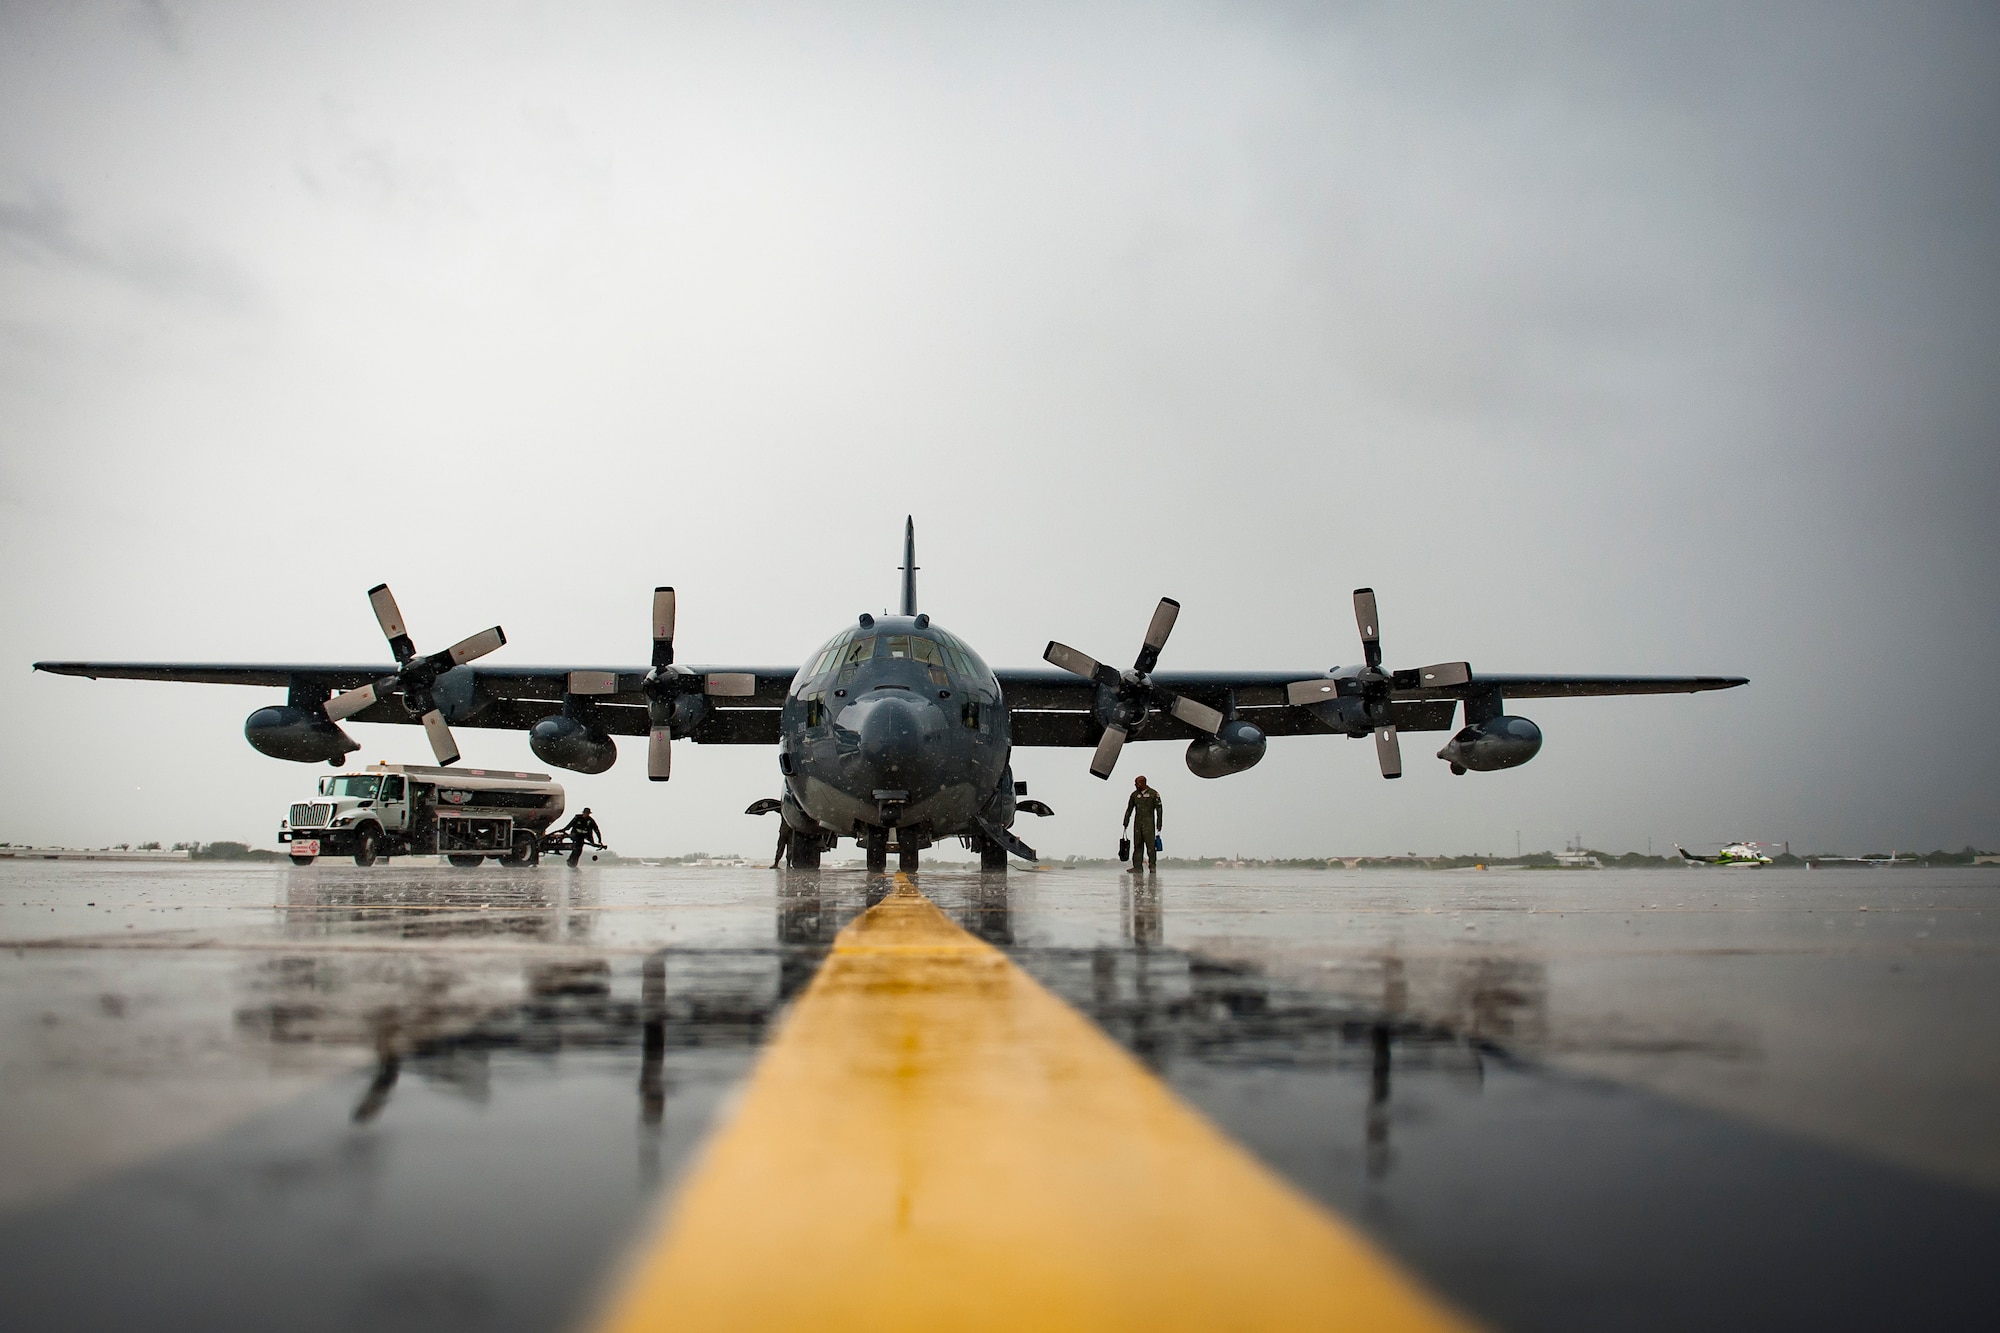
1124,849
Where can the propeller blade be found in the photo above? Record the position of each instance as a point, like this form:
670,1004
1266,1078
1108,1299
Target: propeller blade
465,650
391,621
1070,660
1199,716
1162,624
1106,757
1371,635
1444,674
660,754
663,627
1311,691
1388,752
731,684
442,745
593,682
343,706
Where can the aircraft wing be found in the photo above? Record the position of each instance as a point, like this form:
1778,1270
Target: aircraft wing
1052,707
507,698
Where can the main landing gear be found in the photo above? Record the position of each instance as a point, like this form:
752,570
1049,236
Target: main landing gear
992,856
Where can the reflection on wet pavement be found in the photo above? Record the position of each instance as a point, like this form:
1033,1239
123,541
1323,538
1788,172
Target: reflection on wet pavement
450,1098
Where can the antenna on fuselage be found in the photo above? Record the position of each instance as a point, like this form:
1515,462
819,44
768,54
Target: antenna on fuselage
909,566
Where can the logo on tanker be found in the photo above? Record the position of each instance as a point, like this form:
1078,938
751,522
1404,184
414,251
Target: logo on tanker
454,797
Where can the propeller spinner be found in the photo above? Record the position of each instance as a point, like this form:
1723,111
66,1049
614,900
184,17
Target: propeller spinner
1372,686
1133,690
414,676
666,684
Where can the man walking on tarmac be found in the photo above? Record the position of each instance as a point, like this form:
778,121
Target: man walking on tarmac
582,832
1147,817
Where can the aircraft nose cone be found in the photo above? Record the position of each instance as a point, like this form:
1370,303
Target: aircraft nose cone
893,747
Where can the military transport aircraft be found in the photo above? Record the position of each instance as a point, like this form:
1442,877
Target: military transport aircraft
895,732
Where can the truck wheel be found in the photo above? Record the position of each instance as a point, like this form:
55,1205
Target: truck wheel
302,860
466,859
524,850
364,848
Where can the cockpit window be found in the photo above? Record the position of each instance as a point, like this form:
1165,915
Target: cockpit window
914,647
963,660
859,651
829,656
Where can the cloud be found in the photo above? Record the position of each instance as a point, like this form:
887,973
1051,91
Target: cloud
44,231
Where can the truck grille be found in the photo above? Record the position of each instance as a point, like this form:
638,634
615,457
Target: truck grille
312,815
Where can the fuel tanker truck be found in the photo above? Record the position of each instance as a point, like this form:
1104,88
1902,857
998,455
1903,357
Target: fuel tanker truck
463,814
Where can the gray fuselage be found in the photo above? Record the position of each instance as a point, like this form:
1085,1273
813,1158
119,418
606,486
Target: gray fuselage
895,723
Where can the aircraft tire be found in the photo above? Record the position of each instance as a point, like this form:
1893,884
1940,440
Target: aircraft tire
802,853
364,847
302,860
906,859
992,856
878,853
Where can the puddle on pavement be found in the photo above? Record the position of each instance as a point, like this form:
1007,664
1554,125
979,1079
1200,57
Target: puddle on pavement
534,1069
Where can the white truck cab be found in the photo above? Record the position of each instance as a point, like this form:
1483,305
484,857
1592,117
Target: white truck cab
465,814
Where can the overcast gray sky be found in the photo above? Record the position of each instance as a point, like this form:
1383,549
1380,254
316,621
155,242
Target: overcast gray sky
1640,338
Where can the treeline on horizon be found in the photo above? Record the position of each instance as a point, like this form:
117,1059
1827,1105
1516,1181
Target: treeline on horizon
1527,860
225,850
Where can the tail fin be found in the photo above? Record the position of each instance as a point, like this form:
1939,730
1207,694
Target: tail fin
1687,855
909,566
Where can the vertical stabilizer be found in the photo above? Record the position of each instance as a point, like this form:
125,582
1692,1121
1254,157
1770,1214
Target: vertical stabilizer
909,566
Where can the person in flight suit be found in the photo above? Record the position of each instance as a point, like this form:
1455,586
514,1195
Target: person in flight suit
1147,817
582,831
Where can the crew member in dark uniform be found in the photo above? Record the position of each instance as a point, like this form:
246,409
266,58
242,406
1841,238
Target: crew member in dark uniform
582,831
1146,816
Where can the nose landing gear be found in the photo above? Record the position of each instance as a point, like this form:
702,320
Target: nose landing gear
908,849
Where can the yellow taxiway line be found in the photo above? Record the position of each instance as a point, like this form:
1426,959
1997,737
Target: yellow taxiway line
934,1141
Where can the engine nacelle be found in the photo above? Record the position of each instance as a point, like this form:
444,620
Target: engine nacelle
285,732
1237,745
1497,743
568,743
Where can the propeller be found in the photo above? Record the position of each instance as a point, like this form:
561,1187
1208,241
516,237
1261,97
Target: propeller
666,684
1372,686
414,676
1134,690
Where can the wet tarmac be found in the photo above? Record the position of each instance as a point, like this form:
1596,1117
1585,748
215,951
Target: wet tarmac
414,1096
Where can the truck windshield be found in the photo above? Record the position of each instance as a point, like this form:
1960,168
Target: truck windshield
363,787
